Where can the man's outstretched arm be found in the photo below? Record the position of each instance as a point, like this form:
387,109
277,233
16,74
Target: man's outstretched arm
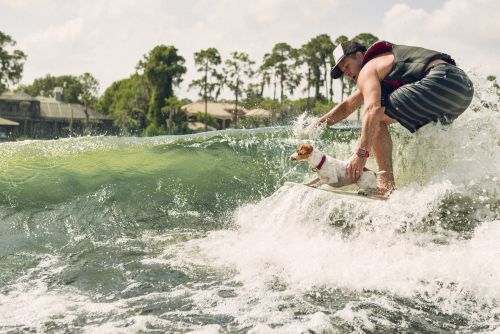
343,109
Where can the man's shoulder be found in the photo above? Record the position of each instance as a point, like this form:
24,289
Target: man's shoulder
380,65
381,58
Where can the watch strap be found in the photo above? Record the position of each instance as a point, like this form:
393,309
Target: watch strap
362,153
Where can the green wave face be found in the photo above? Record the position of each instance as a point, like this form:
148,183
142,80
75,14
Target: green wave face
120,186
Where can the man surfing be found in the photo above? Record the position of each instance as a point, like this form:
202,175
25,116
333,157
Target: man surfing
396,83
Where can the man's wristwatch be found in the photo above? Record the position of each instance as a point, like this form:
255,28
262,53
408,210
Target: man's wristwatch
362,153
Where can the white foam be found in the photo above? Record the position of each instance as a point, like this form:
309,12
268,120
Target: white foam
295,238
30,303
315,323
380,246
307,127
208,329
286,241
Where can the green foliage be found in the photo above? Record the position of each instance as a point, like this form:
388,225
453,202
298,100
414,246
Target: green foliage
11,62
146,103
316,55
176,118
163,67
252,122
253,97
270,104
300,106
90,89
289,110
282,64
126,101
320,108
341,39
79,89
207,62
154,130
210,120
264,74
366,39
238,68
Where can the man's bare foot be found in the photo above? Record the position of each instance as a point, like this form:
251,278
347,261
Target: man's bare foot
382,192
362,192
378,193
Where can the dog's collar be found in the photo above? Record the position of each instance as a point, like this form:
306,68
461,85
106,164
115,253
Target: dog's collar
321,163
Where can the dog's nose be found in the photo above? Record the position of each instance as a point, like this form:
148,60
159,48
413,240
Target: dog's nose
293,157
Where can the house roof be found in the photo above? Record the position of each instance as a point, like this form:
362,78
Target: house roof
6,122
258,113
53,109
16,96
218,110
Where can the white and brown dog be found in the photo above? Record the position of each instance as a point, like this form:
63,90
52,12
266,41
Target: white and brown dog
333,171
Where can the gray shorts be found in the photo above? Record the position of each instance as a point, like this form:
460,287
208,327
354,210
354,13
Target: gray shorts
441,95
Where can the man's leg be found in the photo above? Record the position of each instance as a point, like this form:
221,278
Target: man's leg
382,147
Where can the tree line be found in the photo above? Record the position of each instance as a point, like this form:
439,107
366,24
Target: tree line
145,103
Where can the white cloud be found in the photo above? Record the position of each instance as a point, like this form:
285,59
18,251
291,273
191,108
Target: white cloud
108,38
27,4
468,30
70,31
254,27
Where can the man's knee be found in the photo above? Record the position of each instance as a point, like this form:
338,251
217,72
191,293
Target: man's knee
388,120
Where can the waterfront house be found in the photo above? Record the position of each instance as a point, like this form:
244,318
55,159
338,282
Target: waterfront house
44,117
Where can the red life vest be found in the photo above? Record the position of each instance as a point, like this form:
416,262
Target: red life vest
409,63
376,49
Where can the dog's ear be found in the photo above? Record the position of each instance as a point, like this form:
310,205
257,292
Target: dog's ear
306,149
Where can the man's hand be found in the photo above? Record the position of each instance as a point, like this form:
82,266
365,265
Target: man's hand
310,131
314,124
355,167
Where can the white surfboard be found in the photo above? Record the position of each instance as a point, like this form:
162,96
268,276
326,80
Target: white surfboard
337,192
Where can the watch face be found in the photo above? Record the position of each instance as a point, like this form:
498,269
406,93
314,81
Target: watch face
362,153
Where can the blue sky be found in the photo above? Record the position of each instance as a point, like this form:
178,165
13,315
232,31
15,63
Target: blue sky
108,37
